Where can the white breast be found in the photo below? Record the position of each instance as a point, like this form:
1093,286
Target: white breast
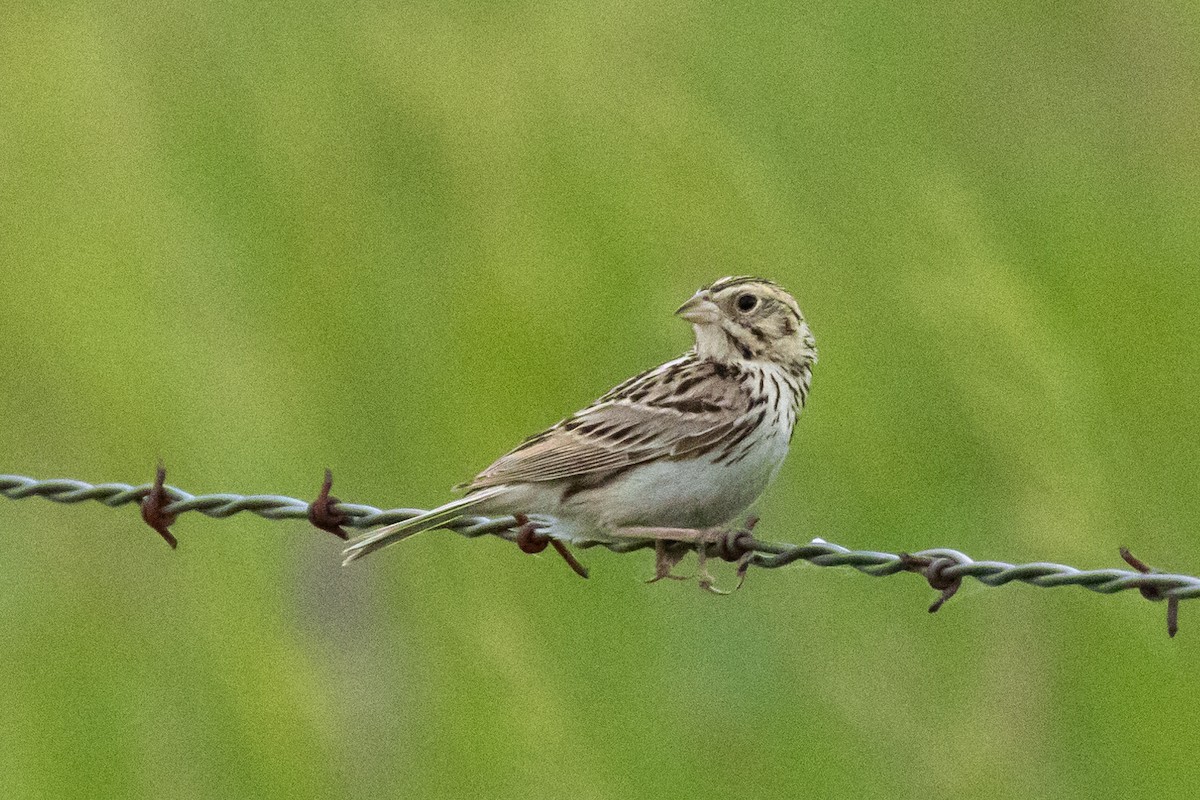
701,493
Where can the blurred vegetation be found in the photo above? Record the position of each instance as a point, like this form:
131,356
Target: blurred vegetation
259,240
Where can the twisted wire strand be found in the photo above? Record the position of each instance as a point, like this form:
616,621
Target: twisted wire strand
943,567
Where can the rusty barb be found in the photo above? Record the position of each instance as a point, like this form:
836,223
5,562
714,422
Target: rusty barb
938,572
322,512
1153,592
154,505
944,569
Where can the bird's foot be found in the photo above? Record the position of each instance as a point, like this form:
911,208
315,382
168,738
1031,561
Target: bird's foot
739,551
531,541
704,577
666,556
672,544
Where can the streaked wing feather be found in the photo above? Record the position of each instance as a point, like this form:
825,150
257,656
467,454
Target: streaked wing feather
618,433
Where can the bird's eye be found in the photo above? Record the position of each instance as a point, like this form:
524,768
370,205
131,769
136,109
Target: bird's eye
747,302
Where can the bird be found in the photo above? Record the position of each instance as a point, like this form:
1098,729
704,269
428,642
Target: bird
673,454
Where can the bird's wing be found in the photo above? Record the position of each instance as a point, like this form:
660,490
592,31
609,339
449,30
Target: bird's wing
619,431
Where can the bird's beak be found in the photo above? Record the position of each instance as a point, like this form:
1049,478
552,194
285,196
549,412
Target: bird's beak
700,310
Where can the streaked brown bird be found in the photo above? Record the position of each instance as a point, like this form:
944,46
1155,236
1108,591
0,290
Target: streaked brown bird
673,454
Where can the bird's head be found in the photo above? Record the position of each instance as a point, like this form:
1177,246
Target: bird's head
750,319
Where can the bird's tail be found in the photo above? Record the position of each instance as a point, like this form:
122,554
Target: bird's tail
390,534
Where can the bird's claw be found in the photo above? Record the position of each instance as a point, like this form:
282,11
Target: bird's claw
728,548
743,566
665,559
705,579
672,544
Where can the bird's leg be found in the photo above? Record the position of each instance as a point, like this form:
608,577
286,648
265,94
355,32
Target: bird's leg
530,541
707,582
668,553
689,535
743,560
665,558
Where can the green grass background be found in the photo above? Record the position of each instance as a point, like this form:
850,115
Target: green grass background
257,240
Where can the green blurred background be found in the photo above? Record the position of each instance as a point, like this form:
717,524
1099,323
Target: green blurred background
256,240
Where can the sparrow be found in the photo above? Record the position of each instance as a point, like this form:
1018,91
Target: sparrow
673,454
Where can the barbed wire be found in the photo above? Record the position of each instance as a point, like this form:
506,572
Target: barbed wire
943,568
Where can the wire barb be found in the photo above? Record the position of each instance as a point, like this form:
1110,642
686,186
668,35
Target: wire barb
1154,593
154,505
323,515
936,571
943,568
